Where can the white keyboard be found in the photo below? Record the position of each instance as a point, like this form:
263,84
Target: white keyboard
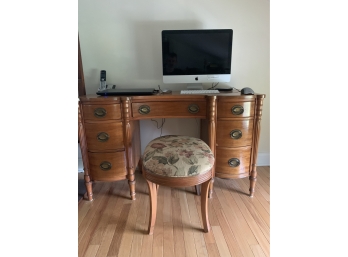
189,92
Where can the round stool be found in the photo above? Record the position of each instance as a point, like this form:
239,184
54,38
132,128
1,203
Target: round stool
177,161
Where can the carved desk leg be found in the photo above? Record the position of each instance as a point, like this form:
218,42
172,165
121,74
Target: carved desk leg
211,116
127,139
83,145
256,137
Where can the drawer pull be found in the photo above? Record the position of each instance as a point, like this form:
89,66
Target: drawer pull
237,110
105,165
236,134
234,162
103,137
193,108
99,112
144,109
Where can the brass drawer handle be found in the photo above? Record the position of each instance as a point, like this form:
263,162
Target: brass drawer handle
237,110
103,137
144,109
99,112
234,162
193,108
105,165
236,134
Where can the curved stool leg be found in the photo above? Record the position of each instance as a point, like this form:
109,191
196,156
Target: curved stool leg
204,205
198,189
153,189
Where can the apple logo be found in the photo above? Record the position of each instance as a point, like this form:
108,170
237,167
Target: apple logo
196,78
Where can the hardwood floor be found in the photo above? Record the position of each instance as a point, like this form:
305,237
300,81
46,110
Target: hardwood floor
114,225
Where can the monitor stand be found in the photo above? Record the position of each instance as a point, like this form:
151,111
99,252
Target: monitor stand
197,86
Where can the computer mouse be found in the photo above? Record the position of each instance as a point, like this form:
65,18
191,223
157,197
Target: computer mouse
247,91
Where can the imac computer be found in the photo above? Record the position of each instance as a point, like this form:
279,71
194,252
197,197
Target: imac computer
198,56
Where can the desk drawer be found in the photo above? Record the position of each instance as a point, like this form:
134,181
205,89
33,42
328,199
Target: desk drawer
232,162
104,136
107,166
169,109
235,109
102,112
235,133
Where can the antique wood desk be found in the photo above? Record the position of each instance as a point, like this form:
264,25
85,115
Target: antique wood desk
109,132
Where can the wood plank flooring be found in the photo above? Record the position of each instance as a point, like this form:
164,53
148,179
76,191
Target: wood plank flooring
113,225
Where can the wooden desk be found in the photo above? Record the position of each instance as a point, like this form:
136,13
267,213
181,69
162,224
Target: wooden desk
109,132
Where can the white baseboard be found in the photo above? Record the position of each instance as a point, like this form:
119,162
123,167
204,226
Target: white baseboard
263,159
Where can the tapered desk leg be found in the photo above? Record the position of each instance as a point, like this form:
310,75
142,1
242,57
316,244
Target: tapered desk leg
89,194
256,138
83,145
131,184
127,138
211,117
252,179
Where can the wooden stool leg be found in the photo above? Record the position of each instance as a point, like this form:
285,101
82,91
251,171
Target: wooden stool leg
204,205
211,188
198,189
153,189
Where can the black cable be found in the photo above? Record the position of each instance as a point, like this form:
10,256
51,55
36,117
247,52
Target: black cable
213,86
161,126
197,122
160,90
235,89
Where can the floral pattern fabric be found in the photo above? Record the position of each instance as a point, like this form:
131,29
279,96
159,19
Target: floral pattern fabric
178,156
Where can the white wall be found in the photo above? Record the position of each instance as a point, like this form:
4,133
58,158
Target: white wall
124,38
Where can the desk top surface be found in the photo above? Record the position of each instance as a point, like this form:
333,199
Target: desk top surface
174,95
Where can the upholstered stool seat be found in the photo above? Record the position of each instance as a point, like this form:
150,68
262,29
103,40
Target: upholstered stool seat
178,161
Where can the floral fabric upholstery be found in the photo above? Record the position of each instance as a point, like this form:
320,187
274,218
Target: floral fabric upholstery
178,156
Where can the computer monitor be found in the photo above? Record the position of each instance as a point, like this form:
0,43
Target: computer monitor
196,56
